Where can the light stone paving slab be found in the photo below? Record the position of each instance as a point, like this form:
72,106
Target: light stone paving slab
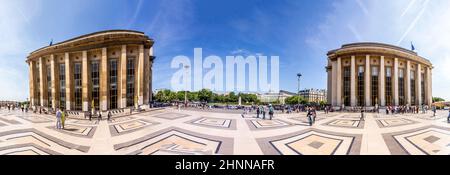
172,131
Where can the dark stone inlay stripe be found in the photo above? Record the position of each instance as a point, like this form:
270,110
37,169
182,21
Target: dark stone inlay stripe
51,138
269,149
225,144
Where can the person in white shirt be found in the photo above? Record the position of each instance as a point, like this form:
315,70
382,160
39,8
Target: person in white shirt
58,119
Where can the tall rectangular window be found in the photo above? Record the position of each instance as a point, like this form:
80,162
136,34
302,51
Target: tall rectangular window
113,84
130,81
401,87
347,75
413,87
95,82
38,84
49,86
361,101
388,86
78,86
374,86
422,85
62,86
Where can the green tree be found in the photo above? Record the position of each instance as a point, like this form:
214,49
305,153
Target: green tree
295,100
180,95
193,96
205,95
438,99
232,97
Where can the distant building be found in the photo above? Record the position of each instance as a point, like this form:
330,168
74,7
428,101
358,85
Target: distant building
314,95
273,97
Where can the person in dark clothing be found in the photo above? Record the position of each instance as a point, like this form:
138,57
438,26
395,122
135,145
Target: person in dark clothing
99,116
90,116
362,115
257,112
448,118
309,116
109,115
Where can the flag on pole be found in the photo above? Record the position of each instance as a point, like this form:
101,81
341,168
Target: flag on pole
412,47
51,43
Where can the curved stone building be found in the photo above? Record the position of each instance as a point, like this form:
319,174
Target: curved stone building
106,70
370,74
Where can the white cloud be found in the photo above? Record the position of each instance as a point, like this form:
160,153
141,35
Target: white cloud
423,22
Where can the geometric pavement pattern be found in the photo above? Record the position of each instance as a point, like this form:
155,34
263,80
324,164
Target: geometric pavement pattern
176,141
311,142
346,123
220,123
175,132
258,124
393,122
430,140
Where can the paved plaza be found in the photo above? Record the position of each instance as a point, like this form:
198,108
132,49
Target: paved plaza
174,132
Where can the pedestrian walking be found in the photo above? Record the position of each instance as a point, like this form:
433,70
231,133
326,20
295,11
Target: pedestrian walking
109,115
362,115
63,118
314,115
448,118
90,116
309,116
257,112
99,116
263,112
271,111
58,119
434,111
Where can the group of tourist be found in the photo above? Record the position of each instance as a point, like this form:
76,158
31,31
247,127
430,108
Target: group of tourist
261,111
408,109
12,107
61,115
99,115
311,115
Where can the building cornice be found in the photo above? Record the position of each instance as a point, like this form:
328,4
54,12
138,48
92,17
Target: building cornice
377,49
94,41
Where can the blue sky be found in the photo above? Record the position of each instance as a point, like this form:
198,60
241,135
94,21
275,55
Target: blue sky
300,32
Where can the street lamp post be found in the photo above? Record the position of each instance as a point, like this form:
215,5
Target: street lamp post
299,75
185,90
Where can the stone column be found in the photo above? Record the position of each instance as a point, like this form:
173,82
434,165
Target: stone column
69,88
140,75
418,85
408,83
333,79
353,82
395,83
339,82
32,65
329,82
382,83
429,84
55,90
104,80
43,81
146,74
367,81
123,80
85,79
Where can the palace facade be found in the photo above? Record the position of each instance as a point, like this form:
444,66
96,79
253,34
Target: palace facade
371,74
104,70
